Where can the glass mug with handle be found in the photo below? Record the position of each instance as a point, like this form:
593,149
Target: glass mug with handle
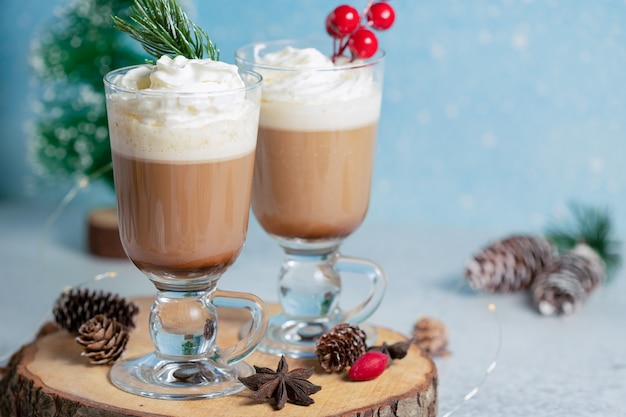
312,180
183,162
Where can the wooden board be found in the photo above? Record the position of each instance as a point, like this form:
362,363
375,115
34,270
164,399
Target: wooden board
48,377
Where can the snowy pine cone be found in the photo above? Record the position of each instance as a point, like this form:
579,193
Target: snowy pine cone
567,282
510,264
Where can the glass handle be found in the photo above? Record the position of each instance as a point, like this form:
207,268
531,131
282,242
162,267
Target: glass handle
378,281
244,347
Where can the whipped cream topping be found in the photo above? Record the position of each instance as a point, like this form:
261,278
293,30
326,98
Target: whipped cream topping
304,90
183,75
291,57
181,109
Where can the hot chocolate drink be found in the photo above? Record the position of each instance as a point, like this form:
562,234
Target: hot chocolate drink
183,135
183,218
183,165
312,180
313,184
316,145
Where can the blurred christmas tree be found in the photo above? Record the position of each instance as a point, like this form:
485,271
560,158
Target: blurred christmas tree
70,56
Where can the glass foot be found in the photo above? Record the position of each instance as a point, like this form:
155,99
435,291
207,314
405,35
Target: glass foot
298,339
155,377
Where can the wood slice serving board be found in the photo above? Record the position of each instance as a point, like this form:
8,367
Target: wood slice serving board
48,377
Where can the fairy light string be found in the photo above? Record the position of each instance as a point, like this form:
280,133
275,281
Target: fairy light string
491,308
81,183
488,370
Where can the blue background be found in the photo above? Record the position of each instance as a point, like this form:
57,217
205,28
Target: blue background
496,113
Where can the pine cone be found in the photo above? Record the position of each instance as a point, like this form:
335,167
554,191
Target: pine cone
567,282
103,339
75,307
431,336
510,264
340,347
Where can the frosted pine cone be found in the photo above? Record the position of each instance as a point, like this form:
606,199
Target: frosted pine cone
75,307
510,264
340,347
103,339
567,282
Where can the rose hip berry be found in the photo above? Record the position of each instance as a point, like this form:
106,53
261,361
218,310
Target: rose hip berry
368,366
381,16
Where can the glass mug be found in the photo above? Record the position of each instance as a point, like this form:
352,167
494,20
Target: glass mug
311,187
183,180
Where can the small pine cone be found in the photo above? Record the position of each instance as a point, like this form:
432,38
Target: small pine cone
510,264
75,307
103,339
431,336
567,282
340,347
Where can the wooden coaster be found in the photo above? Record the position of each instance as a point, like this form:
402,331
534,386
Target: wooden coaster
49,377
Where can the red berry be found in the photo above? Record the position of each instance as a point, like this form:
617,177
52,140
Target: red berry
368,366
331,29
381,15
363,43
343,21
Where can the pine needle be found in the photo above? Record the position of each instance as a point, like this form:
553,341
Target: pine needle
163,28
592,226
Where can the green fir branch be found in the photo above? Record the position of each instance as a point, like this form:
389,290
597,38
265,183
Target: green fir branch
592,226
163,28
70,54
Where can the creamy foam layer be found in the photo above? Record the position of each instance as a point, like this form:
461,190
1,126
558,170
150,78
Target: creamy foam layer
304,90
321,117
182,110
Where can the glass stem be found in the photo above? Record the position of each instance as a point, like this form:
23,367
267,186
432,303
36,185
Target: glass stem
309,286
183,324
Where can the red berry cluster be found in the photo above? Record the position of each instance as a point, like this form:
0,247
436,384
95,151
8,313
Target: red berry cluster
350,29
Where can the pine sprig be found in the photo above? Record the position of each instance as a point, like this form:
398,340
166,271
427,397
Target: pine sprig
163,28
591,226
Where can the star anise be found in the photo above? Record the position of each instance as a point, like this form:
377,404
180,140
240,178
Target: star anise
281,385
397,350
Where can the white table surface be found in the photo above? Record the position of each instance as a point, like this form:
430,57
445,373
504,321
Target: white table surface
545,366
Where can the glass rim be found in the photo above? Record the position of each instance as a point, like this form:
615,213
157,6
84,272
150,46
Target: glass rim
378,57
257,82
